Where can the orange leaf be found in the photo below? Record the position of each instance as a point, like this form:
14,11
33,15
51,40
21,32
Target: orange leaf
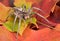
3,11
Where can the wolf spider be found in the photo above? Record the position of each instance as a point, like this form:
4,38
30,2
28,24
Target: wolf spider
22,13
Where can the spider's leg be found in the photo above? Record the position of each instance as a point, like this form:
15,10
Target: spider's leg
45,24
44,19
10,13
39,9
41,15
29,10
14,23
18,29
8,16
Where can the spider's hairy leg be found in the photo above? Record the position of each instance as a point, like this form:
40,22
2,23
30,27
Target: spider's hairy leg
39,9
44,24
14,23
29,10
44,19
18,29
16,16
40,14
10,13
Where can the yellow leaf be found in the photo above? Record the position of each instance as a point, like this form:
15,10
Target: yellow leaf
22,27
19,3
